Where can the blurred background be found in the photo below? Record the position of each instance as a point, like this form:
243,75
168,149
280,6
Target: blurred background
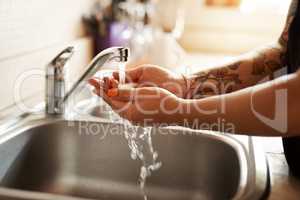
185,33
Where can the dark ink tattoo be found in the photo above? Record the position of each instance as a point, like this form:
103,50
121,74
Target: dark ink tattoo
235,66
216,81
266,63
228,79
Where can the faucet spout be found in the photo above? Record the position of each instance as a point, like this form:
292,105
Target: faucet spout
119,54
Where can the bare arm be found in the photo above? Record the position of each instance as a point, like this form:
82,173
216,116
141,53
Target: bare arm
263,109
268,109
247,70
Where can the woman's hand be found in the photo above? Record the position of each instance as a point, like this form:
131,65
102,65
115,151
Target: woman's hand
143,106
155,76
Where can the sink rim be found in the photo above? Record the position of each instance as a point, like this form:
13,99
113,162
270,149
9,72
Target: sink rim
40,120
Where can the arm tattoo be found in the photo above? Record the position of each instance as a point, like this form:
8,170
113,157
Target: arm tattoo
266,63
237,75
215,81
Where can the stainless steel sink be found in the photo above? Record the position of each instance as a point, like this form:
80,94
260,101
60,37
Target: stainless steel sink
44,158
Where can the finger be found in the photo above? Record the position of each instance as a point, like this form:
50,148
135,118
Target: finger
106,84
116,75
132,75
94,82
99,83
114,83
112,92
107,96
117,106
124,94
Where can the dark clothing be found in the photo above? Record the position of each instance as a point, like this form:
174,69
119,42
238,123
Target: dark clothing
292,148
292,145
292,154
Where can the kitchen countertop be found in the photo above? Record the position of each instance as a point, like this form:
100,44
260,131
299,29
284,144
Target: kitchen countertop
283,185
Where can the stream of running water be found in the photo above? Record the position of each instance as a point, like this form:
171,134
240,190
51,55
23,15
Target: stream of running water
140,144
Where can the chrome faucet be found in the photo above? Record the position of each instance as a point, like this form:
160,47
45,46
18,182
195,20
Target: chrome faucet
55,76
55,81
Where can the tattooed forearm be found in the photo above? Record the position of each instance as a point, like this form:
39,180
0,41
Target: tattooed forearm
213,82
245,72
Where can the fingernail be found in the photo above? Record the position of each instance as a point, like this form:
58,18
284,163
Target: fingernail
112,92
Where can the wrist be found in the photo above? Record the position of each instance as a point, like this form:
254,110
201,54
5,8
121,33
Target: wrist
189,83
195,112
183,117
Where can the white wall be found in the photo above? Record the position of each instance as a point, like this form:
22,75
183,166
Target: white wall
219,30
224,30
32,32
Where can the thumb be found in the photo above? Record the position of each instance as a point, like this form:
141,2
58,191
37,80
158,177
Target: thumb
132,75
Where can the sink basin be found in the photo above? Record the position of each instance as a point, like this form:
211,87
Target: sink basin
58,159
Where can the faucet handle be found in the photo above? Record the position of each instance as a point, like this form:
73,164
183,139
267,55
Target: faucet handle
55,81
61,59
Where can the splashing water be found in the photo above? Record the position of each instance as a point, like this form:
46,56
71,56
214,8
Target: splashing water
140,144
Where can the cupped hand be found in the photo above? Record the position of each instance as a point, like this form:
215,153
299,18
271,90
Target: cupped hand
155,76
143,106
